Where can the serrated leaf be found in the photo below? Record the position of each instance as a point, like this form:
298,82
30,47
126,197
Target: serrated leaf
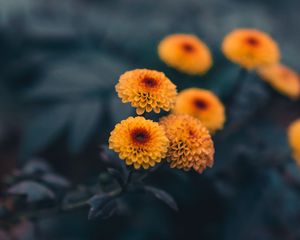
101,206
44,129
163,196
33,191
84,123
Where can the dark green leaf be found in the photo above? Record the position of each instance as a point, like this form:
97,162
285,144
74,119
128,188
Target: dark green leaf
82,74
33,191
163,196
44,129
84,124
101,206
36,166
119,176
55,180
111,159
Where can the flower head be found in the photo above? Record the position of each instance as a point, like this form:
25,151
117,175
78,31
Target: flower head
282,78
294,139
250,48
191,146
139,142
147,90
201,104
185,52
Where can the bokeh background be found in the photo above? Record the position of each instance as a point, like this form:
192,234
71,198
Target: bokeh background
59,62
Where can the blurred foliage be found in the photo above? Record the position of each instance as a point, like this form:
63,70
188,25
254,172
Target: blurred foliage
60,61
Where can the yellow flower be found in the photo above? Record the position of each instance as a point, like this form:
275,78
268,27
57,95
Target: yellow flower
147,90
186,53
294,139
201,104
282,78
250,48
139,142
191,146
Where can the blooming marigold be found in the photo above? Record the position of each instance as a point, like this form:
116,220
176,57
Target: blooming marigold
185,52
294,139
202,104
281,78
147,90
191,146
250,48
139,142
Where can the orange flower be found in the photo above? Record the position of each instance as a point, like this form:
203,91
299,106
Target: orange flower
282,78
202,104
139,142
294,139
186,53
147,90
191,146
250,48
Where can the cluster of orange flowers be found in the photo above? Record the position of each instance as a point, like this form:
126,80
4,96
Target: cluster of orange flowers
183,138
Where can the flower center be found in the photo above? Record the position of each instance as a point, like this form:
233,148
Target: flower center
192,133
149,82
200,104
187,47
140,135
252,41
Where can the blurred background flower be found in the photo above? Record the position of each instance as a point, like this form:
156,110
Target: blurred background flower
250,48
186,53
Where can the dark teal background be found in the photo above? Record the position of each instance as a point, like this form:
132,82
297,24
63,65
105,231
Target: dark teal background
59,62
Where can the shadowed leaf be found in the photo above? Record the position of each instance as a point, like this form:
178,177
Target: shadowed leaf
33,191
163,196
44,129
111,159
36,166
85,119
101,206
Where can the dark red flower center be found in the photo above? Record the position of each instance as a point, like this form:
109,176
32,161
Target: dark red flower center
200,104
187,47
192,133
140,135
149,82
252,41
